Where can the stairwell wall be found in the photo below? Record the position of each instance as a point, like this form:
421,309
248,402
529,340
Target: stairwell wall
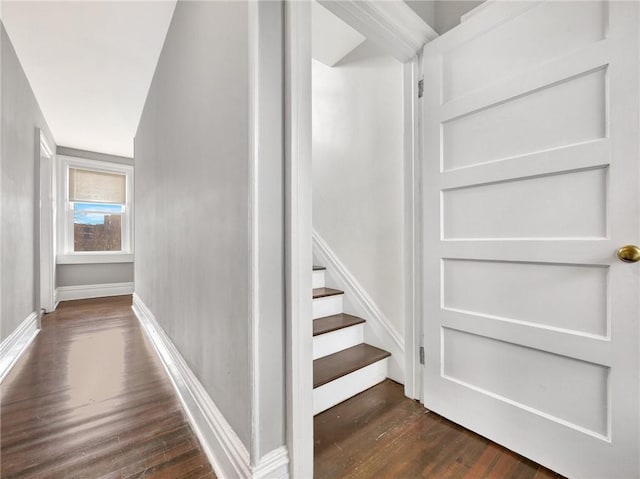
358,169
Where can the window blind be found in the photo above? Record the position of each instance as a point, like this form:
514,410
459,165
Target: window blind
97,186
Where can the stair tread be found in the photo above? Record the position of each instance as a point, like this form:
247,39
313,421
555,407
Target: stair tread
318,268
343,362
334,323
323,292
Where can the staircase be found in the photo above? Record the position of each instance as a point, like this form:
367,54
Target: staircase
343,364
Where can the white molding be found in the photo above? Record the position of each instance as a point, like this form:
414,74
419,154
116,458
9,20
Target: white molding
228,455
298,257
91,258
253,242
273,465
86,291
394,26
45,149
345,387
17,342
385,334
266,223
412,73
47,224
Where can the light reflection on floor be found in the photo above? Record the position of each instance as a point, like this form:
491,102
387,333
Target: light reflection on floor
91,378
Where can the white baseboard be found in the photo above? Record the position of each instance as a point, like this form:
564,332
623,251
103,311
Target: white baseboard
86,291
273,465
226,452
378,329
17,342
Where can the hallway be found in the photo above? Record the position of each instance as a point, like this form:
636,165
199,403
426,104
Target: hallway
91,399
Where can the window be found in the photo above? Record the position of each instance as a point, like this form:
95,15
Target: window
97,209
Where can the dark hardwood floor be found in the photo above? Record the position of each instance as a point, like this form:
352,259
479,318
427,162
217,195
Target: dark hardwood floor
381,434
90,399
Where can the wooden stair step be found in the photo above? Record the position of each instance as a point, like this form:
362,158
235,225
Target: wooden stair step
348,360
334,323
318,268
324,292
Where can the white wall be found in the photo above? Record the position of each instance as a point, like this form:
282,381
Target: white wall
358,170
19,192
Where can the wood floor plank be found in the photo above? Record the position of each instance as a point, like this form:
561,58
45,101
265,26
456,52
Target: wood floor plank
381,434
91,399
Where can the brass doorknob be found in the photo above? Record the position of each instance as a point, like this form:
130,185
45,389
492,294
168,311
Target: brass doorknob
629,253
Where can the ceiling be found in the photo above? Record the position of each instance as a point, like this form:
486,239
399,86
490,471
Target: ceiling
90,64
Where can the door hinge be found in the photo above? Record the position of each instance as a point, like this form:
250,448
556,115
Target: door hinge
420,88
421,354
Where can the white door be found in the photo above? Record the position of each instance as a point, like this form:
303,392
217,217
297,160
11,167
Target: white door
531,184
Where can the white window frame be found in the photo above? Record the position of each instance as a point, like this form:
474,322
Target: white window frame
66,253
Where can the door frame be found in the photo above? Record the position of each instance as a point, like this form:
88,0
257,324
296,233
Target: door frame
46,223
402,33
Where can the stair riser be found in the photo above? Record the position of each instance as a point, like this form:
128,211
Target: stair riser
330,394
327,306
329,343
318,279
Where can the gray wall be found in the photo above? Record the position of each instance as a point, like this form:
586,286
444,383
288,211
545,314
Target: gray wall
85,274
191,194
21,116
94,273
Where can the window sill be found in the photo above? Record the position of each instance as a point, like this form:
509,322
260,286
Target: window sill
89,258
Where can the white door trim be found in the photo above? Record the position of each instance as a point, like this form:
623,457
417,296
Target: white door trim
298,258
266,227
412,231
47,224
395,27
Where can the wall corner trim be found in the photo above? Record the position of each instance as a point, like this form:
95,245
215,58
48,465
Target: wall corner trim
228,455
14,345
86,291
